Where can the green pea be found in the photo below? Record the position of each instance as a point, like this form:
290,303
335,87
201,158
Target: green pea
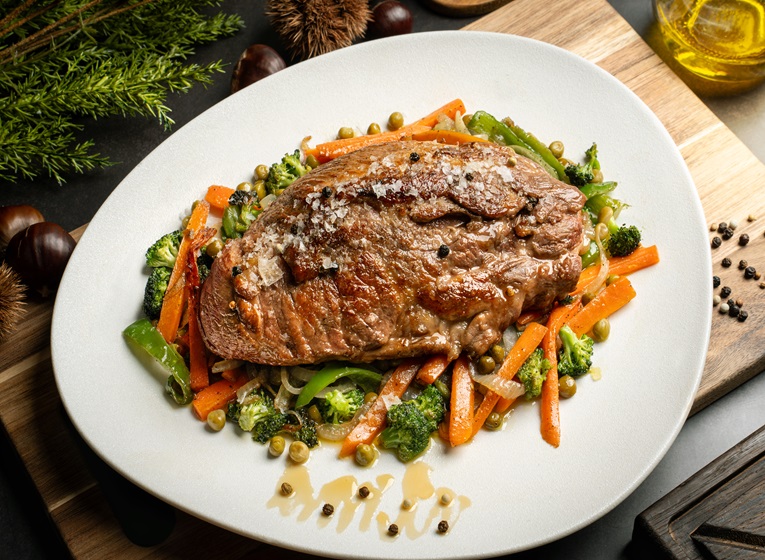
493,421
311,161
374,128
245,186
276,446
299,452
216,419
261,172
557,149
601,330
370,397
597,176
567,386
214,247
498,353
365,454
314,414
395,121
260,189
486,364
345,132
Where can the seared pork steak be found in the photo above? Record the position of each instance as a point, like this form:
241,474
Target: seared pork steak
395,250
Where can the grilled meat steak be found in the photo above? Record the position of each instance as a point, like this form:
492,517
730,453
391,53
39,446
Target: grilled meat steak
395,250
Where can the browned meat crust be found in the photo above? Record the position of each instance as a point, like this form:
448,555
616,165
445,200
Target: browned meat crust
351,262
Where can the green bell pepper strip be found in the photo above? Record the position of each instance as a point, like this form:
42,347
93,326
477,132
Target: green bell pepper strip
367,379
498,131
143,335
594,189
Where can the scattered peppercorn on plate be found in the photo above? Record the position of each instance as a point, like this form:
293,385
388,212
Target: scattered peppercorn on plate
499,492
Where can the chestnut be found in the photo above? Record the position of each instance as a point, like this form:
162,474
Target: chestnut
255,63
389,17
15,218
39,255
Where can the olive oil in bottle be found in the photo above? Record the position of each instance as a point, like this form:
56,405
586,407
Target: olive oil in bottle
720,40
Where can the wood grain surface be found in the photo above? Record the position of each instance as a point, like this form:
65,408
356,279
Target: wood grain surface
717,513
464,8
730,181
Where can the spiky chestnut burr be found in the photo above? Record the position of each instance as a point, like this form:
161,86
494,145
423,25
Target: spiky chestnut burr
11,300
313,27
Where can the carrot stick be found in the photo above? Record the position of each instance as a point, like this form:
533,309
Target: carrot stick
446,137
450,110
432,369
519,353
611,299
216,396
550,410
218,196
461,405
641,258
336,148
199,376
231,374
175,296
373,421
330,150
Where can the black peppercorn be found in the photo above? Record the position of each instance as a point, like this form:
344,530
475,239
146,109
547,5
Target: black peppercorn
742,316
734,310
443,251
328,509
414,156
236,271
716,242
468,176
749,272
725,291
742,264
726,262
443,526
393,529
731,301
363,492
721,227
727,234
326,192
715,281
743,240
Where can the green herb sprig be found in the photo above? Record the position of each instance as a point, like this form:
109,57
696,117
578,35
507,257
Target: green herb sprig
61,60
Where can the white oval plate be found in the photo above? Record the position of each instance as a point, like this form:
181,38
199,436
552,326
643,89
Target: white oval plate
517,491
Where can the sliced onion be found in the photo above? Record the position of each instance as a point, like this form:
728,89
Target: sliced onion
337,432
225,365
302,374
282,399
390,400
266,201
597,283
505,388
285,378
247,388
459,124
509,337
334,432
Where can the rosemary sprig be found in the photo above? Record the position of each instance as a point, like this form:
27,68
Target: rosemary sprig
92,58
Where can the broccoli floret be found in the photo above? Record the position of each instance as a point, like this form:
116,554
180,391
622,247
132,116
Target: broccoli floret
258,417
164,250
156,286
204,262
302,428
283,174
243,207
575,357
432,405
580,175
533,373
338,407
410,423
408,430
623,241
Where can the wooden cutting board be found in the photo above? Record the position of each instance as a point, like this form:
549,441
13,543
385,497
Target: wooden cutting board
730,182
